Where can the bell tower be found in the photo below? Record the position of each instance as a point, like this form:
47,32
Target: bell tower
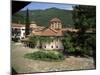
55,23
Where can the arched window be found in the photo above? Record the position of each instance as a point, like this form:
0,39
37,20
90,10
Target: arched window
56,46
51,46
44,46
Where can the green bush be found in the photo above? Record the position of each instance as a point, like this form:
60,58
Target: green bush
45,55
15,39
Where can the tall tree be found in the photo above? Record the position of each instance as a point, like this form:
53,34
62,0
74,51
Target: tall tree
84,16
27,29
85,19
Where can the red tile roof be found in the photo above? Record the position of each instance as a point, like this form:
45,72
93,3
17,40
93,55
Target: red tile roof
49,32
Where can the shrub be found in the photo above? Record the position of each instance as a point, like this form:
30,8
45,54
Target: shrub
15,39
45,55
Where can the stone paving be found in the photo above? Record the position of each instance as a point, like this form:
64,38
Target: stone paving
24,65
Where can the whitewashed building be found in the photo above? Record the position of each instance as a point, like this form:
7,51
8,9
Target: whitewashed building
54,30
54,45
18,31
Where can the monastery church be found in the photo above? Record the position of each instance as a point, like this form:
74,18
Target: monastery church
54,29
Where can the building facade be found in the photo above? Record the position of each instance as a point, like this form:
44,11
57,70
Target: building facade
55,29
52,31
18,31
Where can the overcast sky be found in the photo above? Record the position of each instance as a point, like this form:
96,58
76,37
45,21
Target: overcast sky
37,5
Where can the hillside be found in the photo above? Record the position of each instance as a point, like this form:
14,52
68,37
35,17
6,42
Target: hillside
42,17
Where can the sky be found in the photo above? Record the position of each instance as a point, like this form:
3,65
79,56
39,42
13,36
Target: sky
43,6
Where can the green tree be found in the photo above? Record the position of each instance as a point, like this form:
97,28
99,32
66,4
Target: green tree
68,43
27,30
39,40
85,19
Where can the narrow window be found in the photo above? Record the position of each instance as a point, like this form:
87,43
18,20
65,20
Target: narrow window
56,46
23,29
51,46
44,46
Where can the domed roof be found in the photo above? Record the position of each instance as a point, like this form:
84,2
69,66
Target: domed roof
55,20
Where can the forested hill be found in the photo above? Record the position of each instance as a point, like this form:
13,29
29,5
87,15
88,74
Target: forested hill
42,17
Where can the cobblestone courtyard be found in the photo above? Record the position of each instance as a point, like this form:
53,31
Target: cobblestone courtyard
24,65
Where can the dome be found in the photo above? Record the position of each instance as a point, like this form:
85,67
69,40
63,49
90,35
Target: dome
55,20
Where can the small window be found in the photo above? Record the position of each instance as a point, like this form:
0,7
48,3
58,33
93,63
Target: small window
44,46
51,46
56,46
23,29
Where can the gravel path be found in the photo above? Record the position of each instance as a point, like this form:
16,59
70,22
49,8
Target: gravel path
24,65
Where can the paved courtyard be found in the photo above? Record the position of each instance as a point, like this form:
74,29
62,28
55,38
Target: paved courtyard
24,65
